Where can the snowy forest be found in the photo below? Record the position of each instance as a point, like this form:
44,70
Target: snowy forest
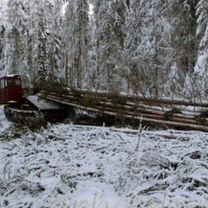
132,127
153,48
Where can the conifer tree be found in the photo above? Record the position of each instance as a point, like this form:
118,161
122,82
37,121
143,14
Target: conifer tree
183,23
39,44
76,40
110,35
15,49
196,82
147,49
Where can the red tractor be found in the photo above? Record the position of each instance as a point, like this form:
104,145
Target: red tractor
11,89
28,110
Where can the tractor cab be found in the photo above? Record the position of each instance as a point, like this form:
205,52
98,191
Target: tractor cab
11,89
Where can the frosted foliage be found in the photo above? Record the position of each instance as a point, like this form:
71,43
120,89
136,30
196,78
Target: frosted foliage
3,12
30,27
131,46
202,12
76,40
173,86
200,65
110,18
198,81
148,47
202,31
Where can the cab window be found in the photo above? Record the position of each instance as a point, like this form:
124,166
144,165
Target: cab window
13,82
1,84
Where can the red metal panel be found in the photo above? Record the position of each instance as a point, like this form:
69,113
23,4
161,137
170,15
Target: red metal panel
11,89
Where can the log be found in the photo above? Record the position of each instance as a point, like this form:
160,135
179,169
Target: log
148,115
145,99
153,120
126,103
176,124
145,112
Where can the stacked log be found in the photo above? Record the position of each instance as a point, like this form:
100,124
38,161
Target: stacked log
174,113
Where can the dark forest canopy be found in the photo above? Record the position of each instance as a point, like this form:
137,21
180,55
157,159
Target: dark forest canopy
154,48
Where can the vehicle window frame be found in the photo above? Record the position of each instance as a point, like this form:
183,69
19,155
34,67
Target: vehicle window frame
12,83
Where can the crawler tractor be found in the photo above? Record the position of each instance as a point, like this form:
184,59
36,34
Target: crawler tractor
31,109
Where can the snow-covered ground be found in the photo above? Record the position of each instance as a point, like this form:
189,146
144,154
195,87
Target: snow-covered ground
66,166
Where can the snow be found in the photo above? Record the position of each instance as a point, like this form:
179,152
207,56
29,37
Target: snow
68,166
4,123
201,62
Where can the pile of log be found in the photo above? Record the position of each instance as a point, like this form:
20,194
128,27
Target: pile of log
175,113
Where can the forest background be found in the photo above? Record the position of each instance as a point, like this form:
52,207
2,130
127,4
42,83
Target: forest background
153,48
